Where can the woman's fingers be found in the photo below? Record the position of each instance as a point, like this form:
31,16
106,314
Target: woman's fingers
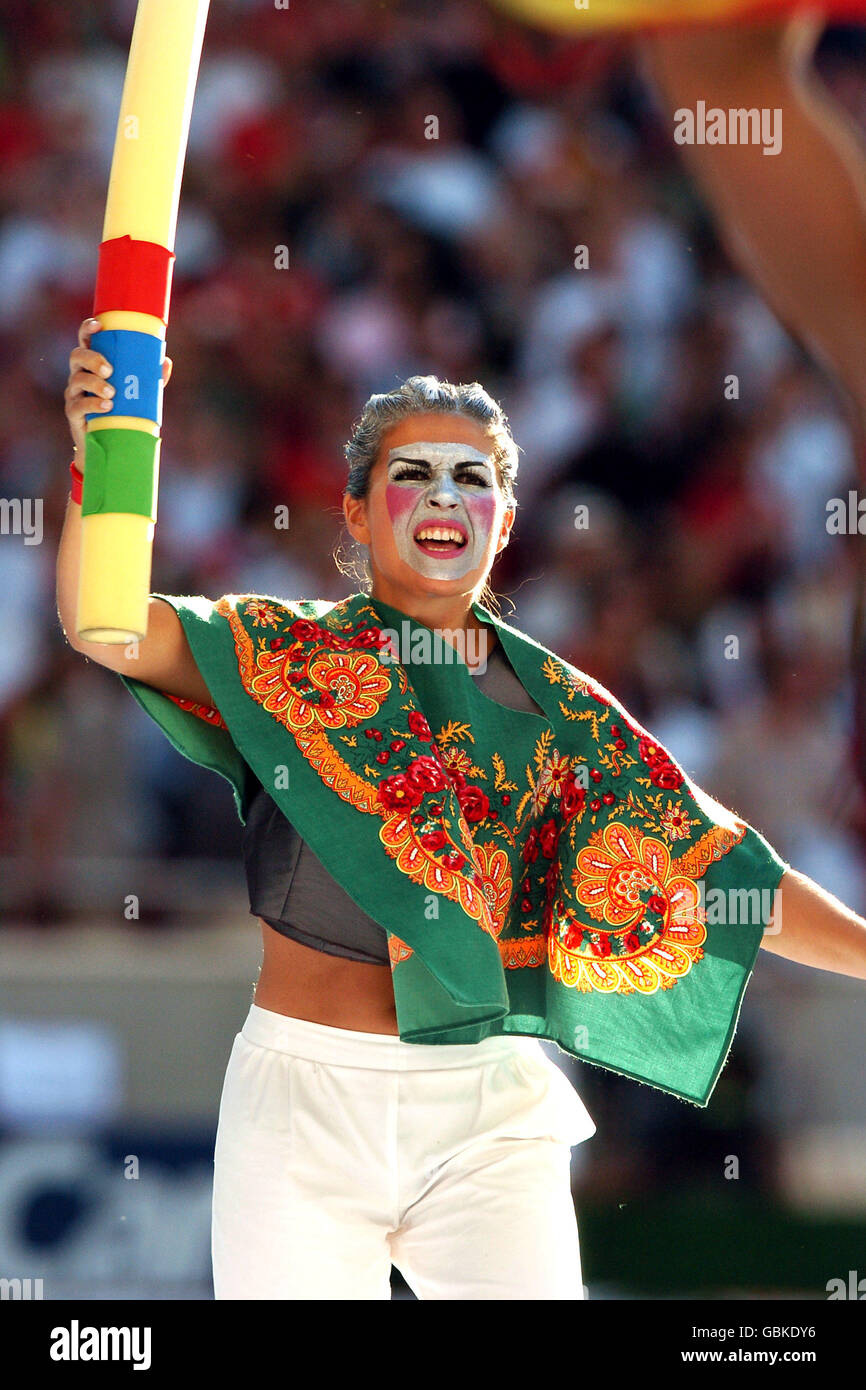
79,403
91,361
88,371
87,381
86,329
85,356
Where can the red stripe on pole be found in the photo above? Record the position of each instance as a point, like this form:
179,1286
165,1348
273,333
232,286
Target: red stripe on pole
135,276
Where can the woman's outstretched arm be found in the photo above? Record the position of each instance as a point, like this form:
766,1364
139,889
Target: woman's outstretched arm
795,221
813,927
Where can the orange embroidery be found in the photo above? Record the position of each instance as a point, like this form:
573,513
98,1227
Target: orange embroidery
354,680
716,842
526,951
497,882
398,950
399,838
613,870
208,713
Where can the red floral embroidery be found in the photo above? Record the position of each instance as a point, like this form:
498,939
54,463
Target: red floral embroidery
600,946
324,681
548,837
474,803
397,791
664,772
419,726
368,637
573,797
667,776
305,630
319,681
551,878
426,773
434,839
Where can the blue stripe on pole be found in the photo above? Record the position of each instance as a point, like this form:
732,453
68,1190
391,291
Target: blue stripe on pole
137,360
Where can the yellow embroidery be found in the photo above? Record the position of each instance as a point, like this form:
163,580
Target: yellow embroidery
400,840
613,870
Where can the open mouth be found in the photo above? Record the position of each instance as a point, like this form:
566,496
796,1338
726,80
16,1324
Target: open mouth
441,540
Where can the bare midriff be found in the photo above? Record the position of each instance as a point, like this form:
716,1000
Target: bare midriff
304,983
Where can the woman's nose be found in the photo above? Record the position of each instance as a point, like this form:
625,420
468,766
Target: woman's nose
443,493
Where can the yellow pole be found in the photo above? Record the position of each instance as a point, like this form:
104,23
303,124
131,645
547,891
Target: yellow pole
119,511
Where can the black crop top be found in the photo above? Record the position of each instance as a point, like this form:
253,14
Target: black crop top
290,888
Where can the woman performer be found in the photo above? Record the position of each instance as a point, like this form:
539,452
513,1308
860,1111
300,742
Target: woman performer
451,858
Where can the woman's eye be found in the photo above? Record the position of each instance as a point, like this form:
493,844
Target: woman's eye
412,472
419,472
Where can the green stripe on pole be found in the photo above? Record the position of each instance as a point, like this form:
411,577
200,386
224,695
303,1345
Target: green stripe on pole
120,472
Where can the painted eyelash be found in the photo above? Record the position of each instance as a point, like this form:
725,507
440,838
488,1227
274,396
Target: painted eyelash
415,470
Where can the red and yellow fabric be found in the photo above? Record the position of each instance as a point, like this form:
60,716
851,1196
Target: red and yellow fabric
598,16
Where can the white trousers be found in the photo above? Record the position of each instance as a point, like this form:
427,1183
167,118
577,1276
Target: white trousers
339,1153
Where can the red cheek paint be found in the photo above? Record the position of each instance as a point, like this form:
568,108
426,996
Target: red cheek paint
481,512
400,501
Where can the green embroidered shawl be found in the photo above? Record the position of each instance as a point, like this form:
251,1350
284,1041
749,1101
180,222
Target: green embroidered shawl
558,877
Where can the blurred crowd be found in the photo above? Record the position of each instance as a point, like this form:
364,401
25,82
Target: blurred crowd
677,449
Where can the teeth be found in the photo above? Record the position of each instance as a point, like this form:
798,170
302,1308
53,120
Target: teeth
439,533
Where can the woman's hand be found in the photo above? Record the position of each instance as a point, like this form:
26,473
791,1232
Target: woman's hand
813,928
87,389
163,657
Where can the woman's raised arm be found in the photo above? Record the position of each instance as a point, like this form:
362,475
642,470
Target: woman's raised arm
163,658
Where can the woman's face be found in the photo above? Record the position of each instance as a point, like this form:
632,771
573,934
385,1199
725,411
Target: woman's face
434,516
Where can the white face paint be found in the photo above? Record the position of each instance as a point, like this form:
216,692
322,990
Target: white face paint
449,489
